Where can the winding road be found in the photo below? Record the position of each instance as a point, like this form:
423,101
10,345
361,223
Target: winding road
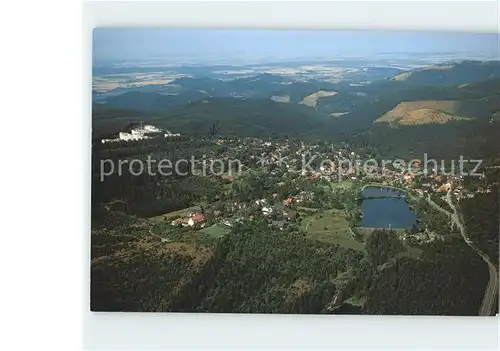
490,295
488,304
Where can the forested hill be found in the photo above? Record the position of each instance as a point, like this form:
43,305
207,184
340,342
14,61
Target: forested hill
240,117
454,72
251,117
385,95
144,101
272,105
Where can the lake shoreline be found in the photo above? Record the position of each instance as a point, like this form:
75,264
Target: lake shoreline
386,207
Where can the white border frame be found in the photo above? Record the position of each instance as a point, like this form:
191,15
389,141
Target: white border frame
212,331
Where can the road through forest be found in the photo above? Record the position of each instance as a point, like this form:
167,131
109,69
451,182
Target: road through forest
488,304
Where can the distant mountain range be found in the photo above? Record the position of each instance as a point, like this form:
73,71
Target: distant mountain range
455,72
144,101
457,93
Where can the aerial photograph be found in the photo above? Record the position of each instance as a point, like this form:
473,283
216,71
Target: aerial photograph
295,171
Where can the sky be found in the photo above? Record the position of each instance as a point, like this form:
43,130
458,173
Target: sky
198,45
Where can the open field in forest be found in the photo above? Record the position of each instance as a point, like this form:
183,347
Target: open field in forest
332,227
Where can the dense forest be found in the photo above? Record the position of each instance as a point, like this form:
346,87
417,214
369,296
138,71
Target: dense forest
482,217
256,269
151,193
448,279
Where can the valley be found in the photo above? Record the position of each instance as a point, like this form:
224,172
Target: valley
297,224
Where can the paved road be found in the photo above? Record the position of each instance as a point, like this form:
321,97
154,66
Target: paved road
439,208
488,304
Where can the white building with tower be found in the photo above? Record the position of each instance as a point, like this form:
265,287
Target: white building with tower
143,132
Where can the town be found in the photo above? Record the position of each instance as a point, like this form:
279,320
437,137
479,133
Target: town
330,194
296,180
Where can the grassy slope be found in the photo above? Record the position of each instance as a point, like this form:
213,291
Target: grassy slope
443,111
336,232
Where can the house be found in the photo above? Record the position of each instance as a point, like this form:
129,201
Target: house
444,187
180,222
151,129
298,199
197,219
261,202
267,210
191,220
288,201
227,223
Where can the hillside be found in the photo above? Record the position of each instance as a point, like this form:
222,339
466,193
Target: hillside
142,101
312,99
260,104
487,87
366,103
477,100
421,112
434,111
244,117
456,72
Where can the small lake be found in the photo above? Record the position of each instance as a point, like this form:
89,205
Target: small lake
384,208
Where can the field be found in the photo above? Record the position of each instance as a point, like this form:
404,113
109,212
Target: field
312,100
281,98
343,184
170,215
163,229
427,112
331,227
215,231
130,80
404,109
